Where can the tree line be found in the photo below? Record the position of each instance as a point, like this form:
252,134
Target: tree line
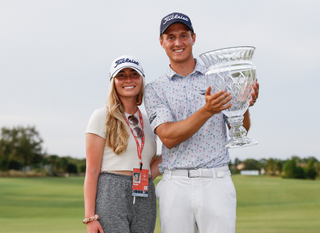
21,149
295,167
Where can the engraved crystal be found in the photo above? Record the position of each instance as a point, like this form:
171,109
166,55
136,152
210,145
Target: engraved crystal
231,69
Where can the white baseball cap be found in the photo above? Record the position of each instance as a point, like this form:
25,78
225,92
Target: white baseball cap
125,61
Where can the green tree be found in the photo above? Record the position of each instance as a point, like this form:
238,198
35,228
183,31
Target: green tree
274,166
64,164
311,172
290,168
279,165
83,168
72,168
317,167
251,164
263,163
54,161
237,161
271,166
292,171
20,144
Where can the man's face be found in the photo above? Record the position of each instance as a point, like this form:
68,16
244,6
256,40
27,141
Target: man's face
177,42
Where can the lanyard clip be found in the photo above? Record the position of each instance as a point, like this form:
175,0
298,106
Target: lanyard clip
141,166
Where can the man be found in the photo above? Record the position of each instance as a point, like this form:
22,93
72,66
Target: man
196,190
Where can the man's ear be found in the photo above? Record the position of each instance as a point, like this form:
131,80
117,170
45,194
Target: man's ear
193,38
161,41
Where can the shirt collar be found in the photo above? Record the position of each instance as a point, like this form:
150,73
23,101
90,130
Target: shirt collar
198,68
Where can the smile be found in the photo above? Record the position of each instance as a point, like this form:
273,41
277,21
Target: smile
178,51
129,87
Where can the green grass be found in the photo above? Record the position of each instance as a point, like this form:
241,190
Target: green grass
275,205
265,205
41,205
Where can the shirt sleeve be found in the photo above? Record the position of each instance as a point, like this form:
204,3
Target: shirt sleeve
97,123
158,111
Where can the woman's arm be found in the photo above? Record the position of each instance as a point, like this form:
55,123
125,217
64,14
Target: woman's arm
94,152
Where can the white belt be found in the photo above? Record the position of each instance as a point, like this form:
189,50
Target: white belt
218,172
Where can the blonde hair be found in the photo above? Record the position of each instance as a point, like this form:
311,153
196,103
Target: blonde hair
116,127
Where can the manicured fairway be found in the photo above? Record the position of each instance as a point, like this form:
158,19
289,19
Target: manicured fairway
275,205
41,205
265,205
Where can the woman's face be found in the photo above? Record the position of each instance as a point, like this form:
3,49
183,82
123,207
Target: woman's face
128,83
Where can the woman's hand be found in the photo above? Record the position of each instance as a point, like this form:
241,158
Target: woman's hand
94,227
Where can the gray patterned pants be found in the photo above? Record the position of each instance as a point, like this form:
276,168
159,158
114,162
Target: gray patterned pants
114,205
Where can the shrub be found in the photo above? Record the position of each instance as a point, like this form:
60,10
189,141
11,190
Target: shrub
300,173
311,172
72,168
83,168
4,164
289,168
15,165
292,171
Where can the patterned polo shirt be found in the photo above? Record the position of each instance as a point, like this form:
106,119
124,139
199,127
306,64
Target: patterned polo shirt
172,98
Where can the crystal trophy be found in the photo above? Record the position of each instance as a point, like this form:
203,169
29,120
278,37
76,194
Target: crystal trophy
231,69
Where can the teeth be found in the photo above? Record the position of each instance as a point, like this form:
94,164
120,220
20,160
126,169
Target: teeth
128,87
178,51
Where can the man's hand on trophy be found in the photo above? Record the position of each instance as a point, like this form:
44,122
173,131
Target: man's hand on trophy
217,102
254,93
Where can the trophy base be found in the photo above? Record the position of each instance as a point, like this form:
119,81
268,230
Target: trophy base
240,142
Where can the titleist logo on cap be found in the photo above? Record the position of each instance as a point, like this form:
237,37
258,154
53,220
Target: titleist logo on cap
174,16
125,60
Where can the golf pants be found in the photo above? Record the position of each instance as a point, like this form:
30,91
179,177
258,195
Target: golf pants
205,202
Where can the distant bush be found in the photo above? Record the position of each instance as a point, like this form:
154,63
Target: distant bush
291,170
72,168
300,173
311,174
83,168
310,170
15,165
4,164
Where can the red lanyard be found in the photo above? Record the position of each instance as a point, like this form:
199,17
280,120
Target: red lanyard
139,150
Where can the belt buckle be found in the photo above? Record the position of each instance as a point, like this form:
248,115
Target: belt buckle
189,176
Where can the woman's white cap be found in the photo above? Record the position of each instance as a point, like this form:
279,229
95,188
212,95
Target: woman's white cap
125,61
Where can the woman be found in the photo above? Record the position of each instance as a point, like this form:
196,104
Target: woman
120,143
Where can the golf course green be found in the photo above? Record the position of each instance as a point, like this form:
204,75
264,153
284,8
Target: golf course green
265,205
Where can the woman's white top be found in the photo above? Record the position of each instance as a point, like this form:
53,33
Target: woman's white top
128,159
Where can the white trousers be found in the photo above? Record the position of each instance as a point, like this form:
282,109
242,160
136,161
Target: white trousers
187,204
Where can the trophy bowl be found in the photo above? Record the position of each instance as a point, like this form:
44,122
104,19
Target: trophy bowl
232,70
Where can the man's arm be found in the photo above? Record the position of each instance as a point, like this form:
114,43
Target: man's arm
173,133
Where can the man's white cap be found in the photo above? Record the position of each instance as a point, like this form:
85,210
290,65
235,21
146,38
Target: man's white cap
125,61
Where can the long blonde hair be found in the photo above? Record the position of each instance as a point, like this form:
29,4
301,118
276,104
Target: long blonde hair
116,127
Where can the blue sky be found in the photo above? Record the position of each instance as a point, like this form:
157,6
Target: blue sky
55,58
